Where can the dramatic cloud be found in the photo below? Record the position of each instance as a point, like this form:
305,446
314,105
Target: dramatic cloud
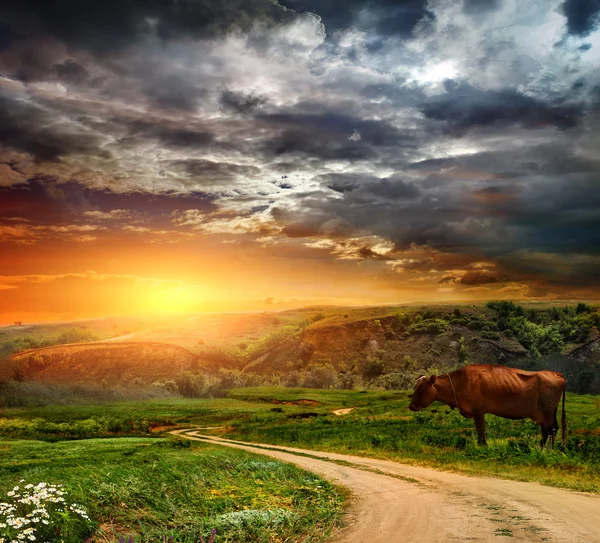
432,148
583,16
105,26
463,107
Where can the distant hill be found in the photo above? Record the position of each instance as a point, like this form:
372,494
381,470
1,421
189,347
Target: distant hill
325,347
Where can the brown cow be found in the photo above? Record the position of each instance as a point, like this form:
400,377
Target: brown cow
506,392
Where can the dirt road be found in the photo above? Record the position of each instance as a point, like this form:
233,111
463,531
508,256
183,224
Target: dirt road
399,503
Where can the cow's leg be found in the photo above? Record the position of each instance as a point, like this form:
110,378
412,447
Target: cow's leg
480,426
545,434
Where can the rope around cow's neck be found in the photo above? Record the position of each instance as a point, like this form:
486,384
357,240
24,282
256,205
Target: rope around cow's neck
453,390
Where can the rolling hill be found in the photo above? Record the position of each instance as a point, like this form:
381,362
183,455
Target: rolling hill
325,346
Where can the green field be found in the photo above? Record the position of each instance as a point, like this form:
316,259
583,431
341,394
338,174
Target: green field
379,426
154,487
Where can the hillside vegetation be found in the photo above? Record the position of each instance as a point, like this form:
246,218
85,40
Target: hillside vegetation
318,347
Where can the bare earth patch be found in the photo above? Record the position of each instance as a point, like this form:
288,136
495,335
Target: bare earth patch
343,411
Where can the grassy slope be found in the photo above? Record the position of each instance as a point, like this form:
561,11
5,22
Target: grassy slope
380,426
151,487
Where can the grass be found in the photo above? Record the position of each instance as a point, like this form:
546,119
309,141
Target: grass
150,487
380,426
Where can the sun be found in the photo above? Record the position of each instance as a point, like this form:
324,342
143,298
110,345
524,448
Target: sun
167,299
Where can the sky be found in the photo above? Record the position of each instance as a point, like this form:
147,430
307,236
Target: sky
166,156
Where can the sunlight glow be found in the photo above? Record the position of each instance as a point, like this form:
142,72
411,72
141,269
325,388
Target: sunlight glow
435,72
167,299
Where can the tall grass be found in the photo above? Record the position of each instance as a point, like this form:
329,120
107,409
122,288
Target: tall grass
36,394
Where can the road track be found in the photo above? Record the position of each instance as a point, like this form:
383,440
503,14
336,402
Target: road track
394,502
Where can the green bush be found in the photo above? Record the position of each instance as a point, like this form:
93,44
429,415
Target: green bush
487,334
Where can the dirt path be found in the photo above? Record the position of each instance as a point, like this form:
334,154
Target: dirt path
406,504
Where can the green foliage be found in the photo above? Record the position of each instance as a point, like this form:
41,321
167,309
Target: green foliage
264,344
431,326
462,351
372,367
18,344
488,334
568,325
321,376
44,430
75,335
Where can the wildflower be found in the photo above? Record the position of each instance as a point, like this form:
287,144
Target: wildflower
38,512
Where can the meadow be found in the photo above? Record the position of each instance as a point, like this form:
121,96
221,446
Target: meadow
155,488
380,425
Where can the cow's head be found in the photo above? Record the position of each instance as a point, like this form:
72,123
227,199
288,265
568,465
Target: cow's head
424,394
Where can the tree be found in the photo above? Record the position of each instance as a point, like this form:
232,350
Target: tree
321,376
372,367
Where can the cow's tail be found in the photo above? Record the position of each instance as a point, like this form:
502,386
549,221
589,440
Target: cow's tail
563,420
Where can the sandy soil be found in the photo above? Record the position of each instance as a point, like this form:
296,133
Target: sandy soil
344,411
402,503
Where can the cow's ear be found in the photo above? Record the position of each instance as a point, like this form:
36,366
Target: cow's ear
432,379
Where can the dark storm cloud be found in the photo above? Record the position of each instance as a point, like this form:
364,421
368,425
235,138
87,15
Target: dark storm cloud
239,102
578,270
7,36
583,16
173,137
368,188
345,182
71,72
387,17
113,24
372,132
27,126
328,136
208,171
317,145
481,277
392,189
464,107
174,91
555,213
342,187
366,253
45,200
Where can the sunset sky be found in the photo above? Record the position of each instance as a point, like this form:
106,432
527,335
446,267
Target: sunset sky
193,155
